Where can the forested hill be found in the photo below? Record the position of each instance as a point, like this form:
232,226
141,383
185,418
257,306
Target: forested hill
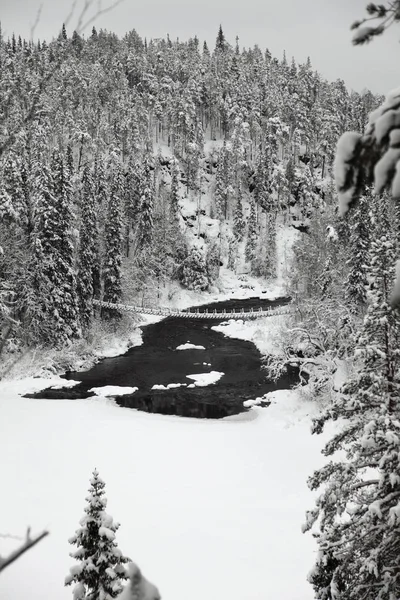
126,163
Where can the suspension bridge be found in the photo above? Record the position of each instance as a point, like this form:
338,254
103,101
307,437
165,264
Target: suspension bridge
197,313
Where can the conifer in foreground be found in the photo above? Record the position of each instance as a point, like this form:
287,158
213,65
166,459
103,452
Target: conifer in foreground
101,568
358,511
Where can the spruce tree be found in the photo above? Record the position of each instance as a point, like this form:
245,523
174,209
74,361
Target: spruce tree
220,43
359,507
239,224
101,194
251,234
101,569
174,197
113,243
88,243
146,210
62,272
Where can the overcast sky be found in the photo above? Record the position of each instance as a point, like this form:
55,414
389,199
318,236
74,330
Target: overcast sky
315,28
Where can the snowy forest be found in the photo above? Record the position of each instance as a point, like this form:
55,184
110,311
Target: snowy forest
129,166
103,141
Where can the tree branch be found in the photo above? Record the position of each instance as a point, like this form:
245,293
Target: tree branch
29,543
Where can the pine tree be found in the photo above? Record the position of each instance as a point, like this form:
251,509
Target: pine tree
101,567
88,244
113,244
359,542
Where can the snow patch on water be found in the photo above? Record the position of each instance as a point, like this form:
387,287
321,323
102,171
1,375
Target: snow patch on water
113,390
168,387
66,383
204,379
190,346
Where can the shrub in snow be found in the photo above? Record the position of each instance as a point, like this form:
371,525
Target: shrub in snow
101,563
138,588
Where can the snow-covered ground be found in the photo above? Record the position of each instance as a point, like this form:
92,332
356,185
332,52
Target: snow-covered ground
208,509
264,333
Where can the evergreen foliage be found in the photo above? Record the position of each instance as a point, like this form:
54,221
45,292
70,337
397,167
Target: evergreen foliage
113,243
88,244
86,99
146,209
101,569
251,234
193,271
359,505
239,223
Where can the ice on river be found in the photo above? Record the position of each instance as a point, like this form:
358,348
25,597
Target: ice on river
210,506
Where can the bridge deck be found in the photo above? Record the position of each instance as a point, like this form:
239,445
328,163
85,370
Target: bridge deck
197,313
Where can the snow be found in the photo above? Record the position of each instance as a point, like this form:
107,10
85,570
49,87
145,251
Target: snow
204,379
107,533
388,121
168,387
192,496
345,152
396,183
384,168
285,238
67,383
113,390
255,331
190,346
145,589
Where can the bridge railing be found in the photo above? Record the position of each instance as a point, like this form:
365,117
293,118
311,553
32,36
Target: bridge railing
189,314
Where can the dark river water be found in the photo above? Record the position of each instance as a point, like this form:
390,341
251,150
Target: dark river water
157,361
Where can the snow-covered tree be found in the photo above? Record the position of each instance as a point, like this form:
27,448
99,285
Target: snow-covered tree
193,271
174,197
61,269
101,564
358,262
358,511
146,209
239,224
88,244
251,233
113,242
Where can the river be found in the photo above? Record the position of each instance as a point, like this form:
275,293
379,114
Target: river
158,362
